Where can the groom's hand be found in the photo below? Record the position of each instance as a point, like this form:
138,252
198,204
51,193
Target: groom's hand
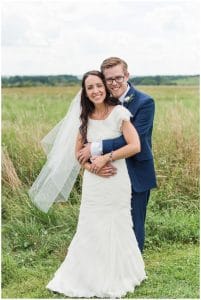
84,154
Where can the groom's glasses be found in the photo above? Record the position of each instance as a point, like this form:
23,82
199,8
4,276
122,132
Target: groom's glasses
118,79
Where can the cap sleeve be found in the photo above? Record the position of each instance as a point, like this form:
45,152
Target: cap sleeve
123,114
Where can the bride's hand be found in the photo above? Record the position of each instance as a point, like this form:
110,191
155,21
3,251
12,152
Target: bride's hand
107,171
98,162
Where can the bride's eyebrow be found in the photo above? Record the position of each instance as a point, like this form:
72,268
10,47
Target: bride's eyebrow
96,84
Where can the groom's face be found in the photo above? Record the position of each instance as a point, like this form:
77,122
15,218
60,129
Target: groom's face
116,79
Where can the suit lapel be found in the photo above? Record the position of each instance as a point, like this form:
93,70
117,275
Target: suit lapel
132,104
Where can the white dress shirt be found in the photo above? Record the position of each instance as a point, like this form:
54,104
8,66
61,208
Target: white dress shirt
97,147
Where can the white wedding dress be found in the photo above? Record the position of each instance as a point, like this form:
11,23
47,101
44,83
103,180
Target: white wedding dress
103,259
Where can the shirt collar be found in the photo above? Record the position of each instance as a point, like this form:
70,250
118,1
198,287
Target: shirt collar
121,99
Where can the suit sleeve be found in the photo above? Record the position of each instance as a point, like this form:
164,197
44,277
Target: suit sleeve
143,122
113,144
144,117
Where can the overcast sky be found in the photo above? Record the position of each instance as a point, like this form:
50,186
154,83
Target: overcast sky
72,37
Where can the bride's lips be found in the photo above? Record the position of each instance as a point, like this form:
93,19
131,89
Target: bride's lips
98,97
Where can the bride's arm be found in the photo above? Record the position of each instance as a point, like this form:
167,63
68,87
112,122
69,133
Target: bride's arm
78,146
133,146
133,142
107,171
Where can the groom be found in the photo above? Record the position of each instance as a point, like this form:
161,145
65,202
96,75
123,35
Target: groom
140,166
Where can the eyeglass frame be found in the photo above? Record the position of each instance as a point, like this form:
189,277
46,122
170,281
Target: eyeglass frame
114,79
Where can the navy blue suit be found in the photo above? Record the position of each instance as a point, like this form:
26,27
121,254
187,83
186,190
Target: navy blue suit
140,166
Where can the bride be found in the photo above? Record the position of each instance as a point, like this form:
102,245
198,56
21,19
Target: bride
103,259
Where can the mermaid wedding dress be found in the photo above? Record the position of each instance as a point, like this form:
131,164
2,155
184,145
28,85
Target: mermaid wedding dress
103,259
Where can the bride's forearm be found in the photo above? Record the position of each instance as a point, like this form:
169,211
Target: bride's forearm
78,144
133,143
124,152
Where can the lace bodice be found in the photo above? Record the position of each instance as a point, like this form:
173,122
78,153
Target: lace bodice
108,128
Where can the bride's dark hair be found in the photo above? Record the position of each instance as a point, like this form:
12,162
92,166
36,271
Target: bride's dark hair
87,107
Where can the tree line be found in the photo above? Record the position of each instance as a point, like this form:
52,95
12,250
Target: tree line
68,80
50,80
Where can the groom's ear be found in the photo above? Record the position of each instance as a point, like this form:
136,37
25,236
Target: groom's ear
127,75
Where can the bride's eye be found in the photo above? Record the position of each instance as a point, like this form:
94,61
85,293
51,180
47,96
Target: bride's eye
99,85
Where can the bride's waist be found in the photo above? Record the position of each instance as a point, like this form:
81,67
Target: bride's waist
120,165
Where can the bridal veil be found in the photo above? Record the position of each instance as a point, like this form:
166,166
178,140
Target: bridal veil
58,175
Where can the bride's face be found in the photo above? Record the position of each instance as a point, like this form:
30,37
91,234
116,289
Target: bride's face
95,89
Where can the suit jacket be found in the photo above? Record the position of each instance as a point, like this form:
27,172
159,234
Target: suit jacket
141,165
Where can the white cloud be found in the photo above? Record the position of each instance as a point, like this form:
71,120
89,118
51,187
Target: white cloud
49,37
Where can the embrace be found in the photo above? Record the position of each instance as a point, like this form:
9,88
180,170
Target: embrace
111,126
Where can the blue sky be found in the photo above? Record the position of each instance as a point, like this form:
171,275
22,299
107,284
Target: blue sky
72,37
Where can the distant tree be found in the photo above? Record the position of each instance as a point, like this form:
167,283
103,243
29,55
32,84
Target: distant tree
68,80
158,80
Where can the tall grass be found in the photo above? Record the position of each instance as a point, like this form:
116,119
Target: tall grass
9,174
34,243
29,113
176,146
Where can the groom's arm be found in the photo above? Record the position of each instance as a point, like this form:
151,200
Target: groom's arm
113,144
143,123
99,148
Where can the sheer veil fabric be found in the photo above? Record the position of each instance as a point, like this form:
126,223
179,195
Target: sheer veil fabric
58,175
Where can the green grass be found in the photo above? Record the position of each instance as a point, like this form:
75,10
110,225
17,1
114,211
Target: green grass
34,244
172,273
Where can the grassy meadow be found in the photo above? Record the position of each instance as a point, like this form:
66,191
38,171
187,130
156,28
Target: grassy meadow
34,243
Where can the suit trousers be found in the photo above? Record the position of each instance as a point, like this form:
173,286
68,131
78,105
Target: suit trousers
139,203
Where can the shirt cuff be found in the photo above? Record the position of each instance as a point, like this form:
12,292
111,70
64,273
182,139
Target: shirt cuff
96,148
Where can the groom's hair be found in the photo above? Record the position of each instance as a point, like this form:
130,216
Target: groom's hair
113,61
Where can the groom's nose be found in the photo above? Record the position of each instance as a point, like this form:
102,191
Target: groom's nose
114,83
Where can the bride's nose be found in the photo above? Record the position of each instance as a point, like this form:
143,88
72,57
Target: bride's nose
95,89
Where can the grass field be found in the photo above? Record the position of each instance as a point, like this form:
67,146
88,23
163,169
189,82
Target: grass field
34,244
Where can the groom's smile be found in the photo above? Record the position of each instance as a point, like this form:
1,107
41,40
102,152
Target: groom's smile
116,80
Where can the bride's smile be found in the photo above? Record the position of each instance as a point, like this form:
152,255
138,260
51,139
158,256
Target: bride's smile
95,89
